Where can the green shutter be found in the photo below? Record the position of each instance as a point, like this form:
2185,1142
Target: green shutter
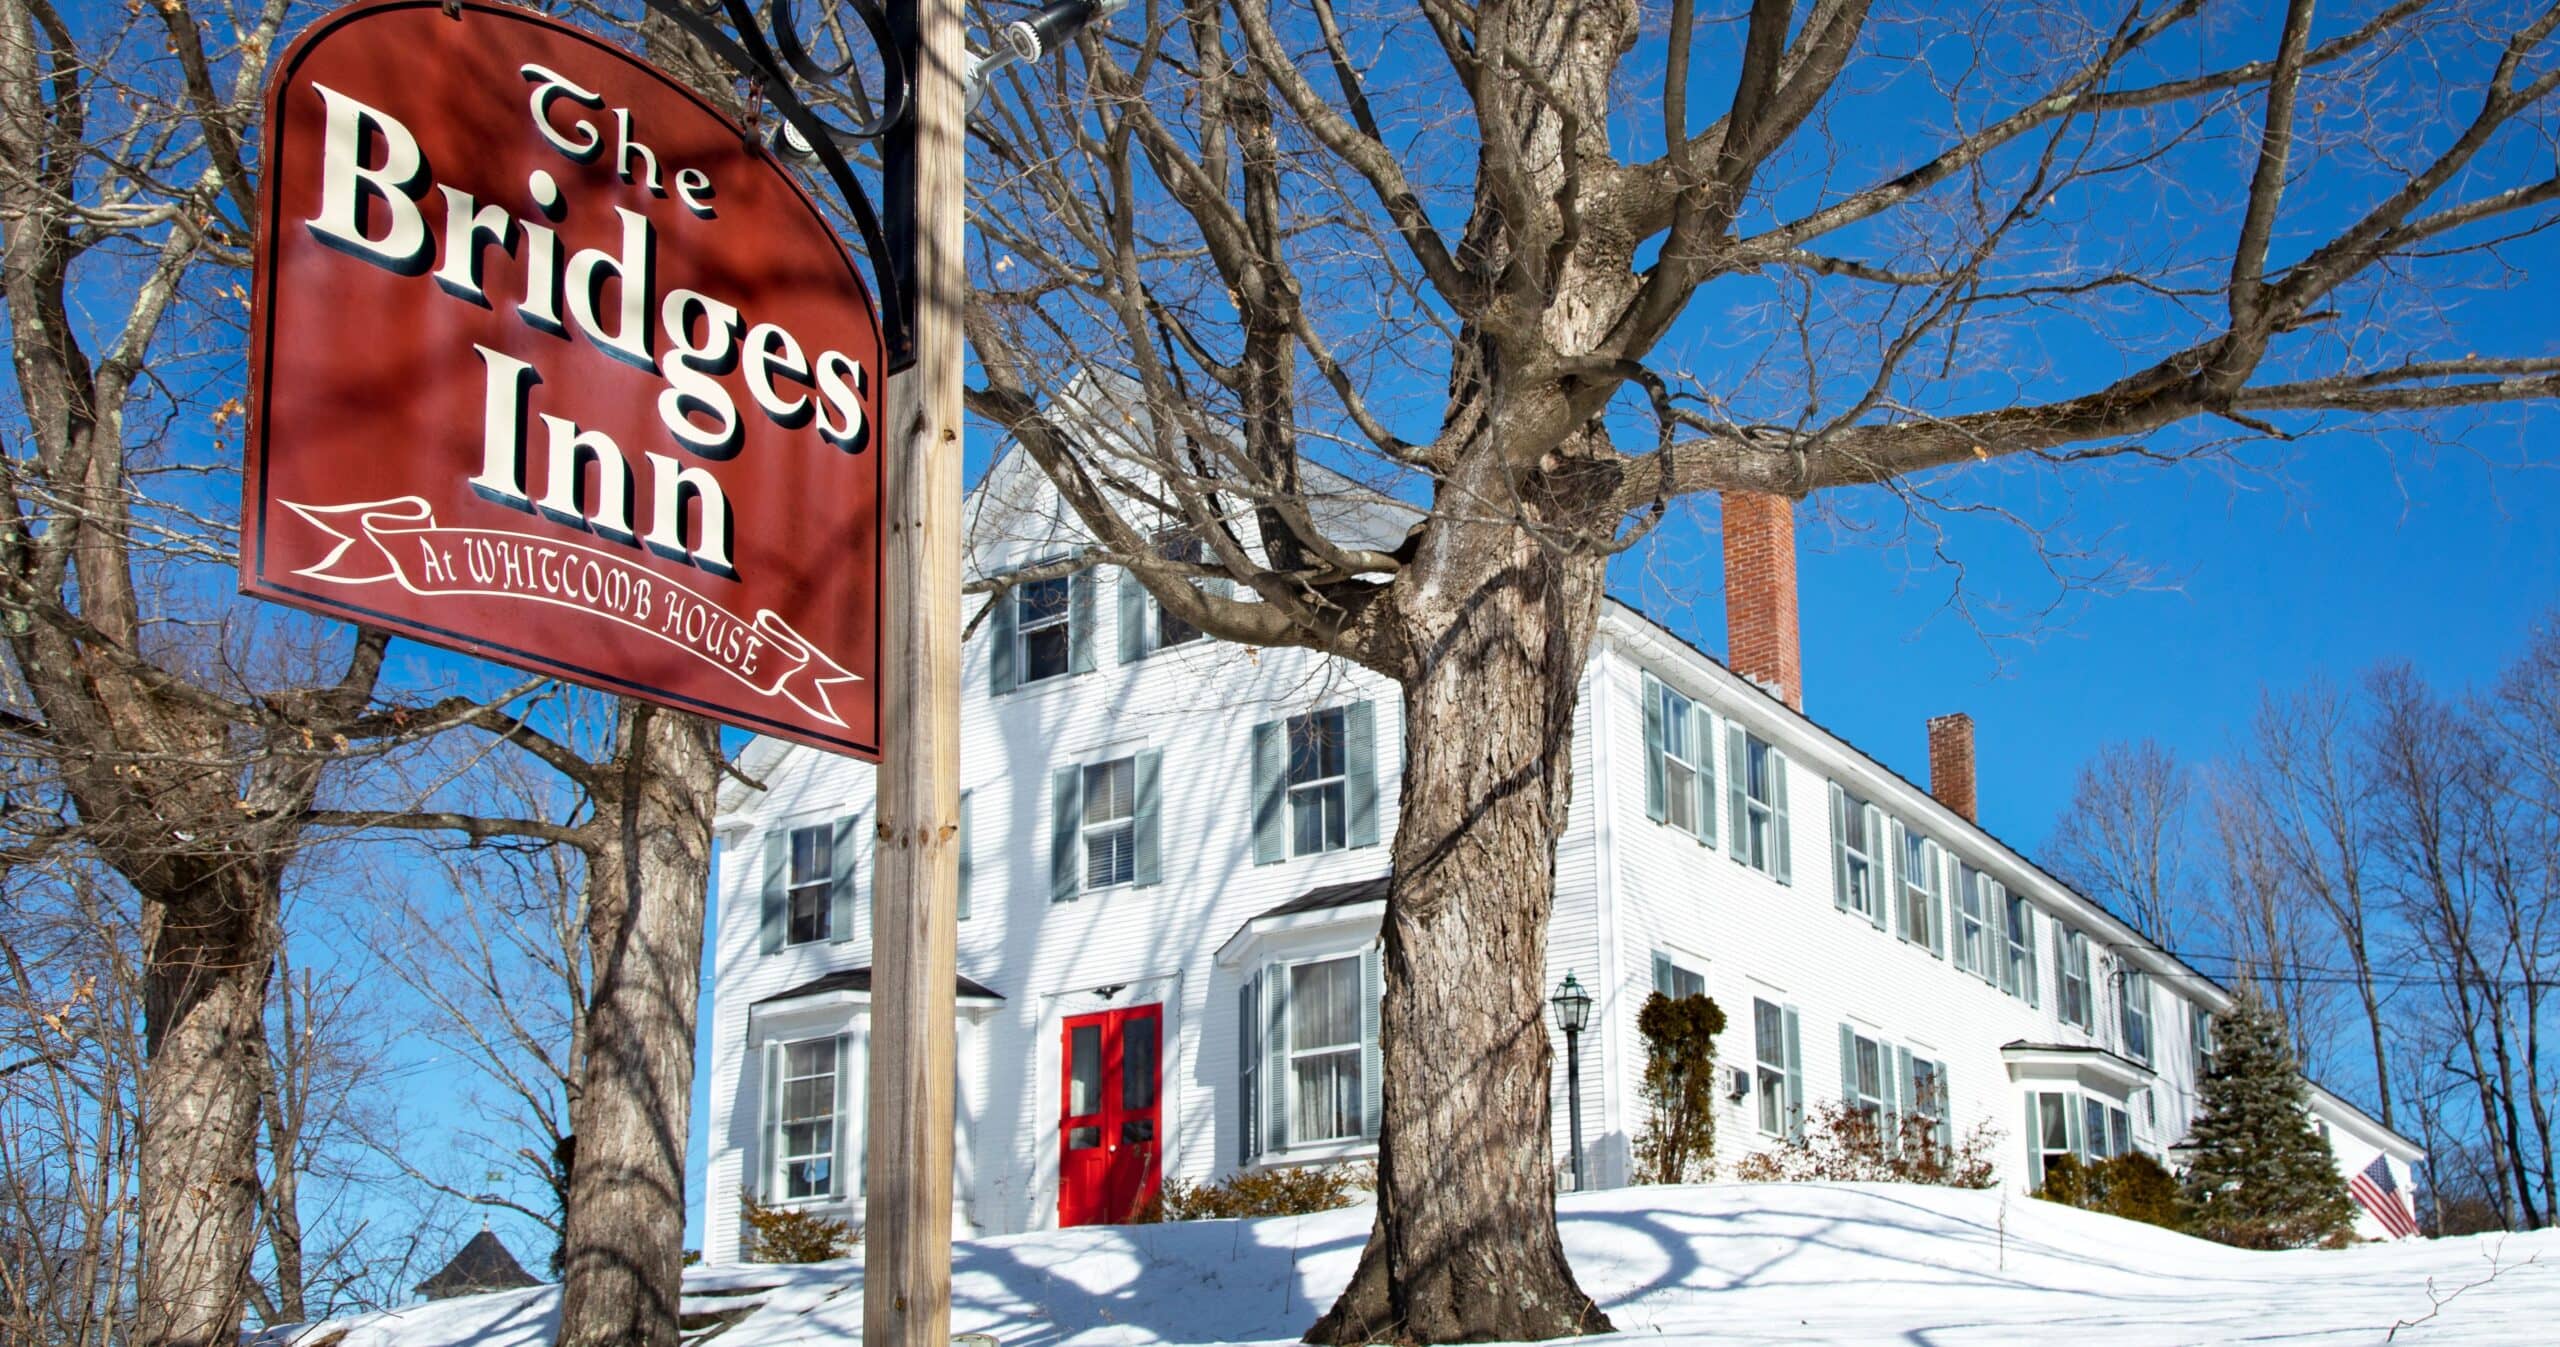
1848,1066
848,1128
2035,1142
1066,835
1360,773
1248,1056
1795,1077
1735,777
1784,856
962,842
1133,618
1000,652
1876,870
1080,621
1656,793
1839,850
1702,728
1275,1056
840,885
768,1151
1372,1066
1148,866
1662,972
1270,772
777,890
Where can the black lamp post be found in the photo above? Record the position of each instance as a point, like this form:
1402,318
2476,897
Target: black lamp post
1573,1015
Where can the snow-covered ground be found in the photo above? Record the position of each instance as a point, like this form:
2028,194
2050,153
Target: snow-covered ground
1727,1263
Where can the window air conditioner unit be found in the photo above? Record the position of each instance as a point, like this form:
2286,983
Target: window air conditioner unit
1738,1082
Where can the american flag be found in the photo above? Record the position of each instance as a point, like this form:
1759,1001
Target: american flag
2378,1194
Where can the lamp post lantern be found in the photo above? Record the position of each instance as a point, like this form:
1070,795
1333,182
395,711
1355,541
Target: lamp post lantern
1573,1015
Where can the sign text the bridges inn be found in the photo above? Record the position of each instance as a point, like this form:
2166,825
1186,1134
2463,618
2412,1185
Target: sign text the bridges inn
553,363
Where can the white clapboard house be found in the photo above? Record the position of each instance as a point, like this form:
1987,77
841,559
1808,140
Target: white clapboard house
1173,862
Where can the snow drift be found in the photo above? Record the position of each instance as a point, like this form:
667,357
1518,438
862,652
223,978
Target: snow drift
1728,1263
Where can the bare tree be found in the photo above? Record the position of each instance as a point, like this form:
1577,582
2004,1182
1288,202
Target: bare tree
2302,764
2278,950
1457,254
2123,838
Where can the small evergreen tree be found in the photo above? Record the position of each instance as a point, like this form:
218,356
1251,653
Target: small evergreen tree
2262,1177
1679,1140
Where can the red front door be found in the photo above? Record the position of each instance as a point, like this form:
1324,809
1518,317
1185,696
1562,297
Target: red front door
1108,1162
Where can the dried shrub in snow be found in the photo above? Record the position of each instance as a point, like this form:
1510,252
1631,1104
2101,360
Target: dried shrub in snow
1849,1145
1261,1192
785,1235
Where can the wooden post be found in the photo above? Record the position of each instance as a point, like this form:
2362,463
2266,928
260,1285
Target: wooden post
906,1284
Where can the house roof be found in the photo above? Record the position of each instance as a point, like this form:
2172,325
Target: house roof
859,980
1373,890
483,1265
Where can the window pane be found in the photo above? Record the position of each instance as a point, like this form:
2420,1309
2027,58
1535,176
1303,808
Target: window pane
1686,983
808,915
1110,790
1138,1063
1853,823
1324,1004
2093,1117
1315,747
1084,1070
2057,1123
812,859
1870,1071
1675,727
1328,1086
1680,796
1045,653
1773,1094
1769,1035
1110,855
1177,545
1316,818
1761,767
1041,601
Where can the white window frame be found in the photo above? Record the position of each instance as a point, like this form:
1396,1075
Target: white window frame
1685,725
1025,627
819,891
2072,979
1941,1118
1679,969
1973,934
2201,1040
1174,544
1878,1105
2019,975
1756,832
778,1174
1930,879
2133,1004
1866,862
1769,1077
1122,826
1331,794
1291,1052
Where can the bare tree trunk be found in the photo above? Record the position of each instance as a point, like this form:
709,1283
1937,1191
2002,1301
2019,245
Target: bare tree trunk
624,1242
206,959
1465,1246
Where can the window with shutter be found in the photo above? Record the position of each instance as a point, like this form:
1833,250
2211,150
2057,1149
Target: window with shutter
2019,973
1323,1051
1109,826
1043,630
2134,991
1319,804
2073,976
1759,792
809,896
805,1128
1772,1069
1973,923
1918,864
1857,851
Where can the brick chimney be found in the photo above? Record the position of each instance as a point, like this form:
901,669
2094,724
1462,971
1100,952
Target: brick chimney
1760,593
1951,762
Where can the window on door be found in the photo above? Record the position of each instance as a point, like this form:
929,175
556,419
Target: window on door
1110,823
806,1128
1318,781
1324,1050
813,871
1043,620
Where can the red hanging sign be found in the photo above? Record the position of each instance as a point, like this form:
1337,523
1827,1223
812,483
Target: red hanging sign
554,364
